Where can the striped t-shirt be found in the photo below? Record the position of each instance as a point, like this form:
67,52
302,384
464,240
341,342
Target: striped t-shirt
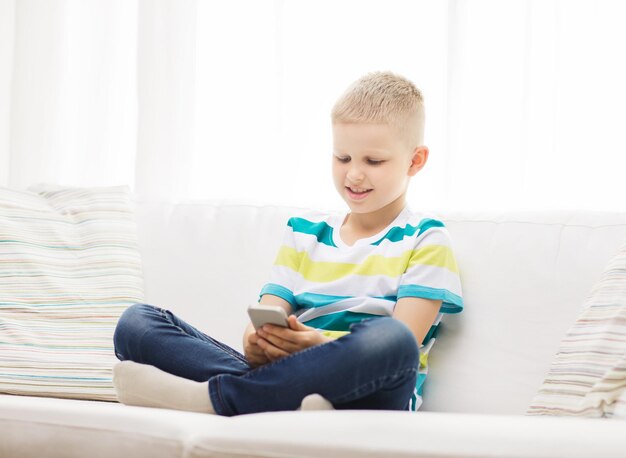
331,285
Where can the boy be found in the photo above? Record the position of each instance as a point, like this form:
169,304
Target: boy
366,290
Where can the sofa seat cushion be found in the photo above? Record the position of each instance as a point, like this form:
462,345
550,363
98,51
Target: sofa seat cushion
33,427
389,434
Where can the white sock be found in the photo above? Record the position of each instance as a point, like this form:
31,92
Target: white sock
315,402
148,386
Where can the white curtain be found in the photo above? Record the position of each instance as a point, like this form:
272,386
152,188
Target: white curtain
195,99
536,104
69,99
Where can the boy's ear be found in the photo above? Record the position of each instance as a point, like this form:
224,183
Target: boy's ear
418,160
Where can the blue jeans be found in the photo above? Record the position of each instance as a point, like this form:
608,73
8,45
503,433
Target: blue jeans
373,367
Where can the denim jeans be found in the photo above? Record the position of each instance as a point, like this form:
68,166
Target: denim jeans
373,367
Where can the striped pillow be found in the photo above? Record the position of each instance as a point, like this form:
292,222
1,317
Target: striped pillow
69,266
588,374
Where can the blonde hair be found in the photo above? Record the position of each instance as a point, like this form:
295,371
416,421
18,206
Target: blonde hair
384,98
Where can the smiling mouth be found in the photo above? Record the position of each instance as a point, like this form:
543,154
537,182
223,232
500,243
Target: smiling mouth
357,193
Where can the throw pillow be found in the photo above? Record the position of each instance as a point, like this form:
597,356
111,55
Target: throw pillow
69,266
588,374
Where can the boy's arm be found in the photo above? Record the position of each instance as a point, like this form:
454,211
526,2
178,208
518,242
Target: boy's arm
418,314
255,355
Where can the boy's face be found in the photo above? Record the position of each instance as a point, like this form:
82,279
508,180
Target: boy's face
372,166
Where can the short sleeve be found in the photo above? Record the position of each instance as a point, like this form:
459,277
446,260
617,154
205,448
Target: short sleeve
283,273
432,271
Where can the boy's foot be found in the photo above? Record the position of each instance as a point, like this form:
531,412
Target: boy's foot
315,402
148,386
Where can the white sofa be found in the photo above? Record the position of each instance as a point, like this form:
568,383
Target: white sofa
525,277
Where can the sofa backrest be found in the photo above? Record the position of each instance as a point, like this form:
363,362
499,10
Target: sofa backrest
525,278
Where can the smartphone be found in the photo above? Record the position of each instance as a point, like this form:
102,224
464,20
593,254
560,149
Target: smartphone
267,314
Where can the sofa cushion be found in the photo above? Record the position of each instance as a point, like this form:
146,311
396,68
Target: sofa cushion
69,266
62,428
588,374
34,427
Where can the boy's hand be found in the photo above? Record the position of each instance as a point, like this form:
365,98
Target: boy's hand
278,342
254,354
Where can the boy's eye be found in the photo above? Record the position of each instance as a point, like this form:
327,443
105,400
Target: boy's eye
343,160
373,162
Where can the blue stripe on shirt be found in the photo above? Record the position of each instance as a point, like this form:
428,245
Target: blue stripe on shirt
322,231
451,302
339,321
396,234
280,291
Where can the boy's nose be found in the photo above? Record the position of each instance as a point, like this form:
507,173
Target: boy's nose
355,175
